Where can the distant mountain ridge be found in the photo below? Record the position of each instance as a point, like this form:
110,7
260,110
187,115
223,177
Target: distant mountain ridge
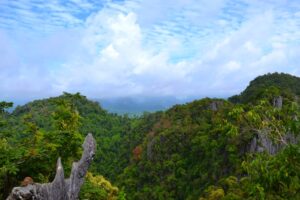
138,105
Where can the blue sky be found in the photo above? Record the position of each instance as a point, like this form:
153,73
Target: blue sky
123,48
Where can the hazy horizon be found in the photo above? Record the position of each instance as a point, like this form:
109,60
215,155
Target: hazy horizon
132,105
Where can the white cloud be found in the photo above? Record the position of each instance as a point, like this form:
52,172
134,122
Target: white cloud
149,47
242,55
232,66
120,65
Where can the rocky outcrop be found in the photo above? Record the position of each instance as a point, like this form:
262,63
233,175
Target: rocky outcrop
277,102
262,143
60,188
150,146
215,105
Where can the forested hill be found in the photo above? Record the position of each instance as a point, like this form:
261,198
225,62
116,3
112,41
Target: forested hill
206,149
34,135
283,83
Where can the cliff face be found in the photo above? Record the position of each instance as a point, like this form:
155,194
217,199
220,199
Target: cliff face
263,143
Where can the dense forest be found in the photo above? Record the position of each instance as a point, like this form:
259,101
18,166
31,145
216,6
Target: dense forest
246,147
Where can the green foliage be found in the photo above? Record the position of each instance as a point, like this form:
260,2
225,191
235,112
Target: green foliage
33,136
8,155
8,165
192,146
197,150
169,160
5,105
268,177
98,188
277,175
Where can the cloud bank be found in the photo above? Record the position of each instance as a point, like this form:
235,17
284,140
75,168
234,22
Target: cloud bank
175,48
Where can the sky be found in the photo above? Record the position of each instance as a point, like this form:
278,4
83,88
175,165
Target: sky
121,48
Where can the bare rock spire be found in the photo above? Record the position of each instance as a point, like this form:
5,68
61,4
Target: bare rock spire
60,188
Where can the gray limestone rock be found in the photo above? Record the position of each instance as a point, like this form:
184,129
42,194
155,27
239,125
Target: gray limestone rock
60,188
277,102
215,105
262,143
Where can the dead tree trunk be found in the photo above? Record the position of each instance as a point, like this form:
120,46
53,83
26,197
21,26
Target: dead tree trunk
60,188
